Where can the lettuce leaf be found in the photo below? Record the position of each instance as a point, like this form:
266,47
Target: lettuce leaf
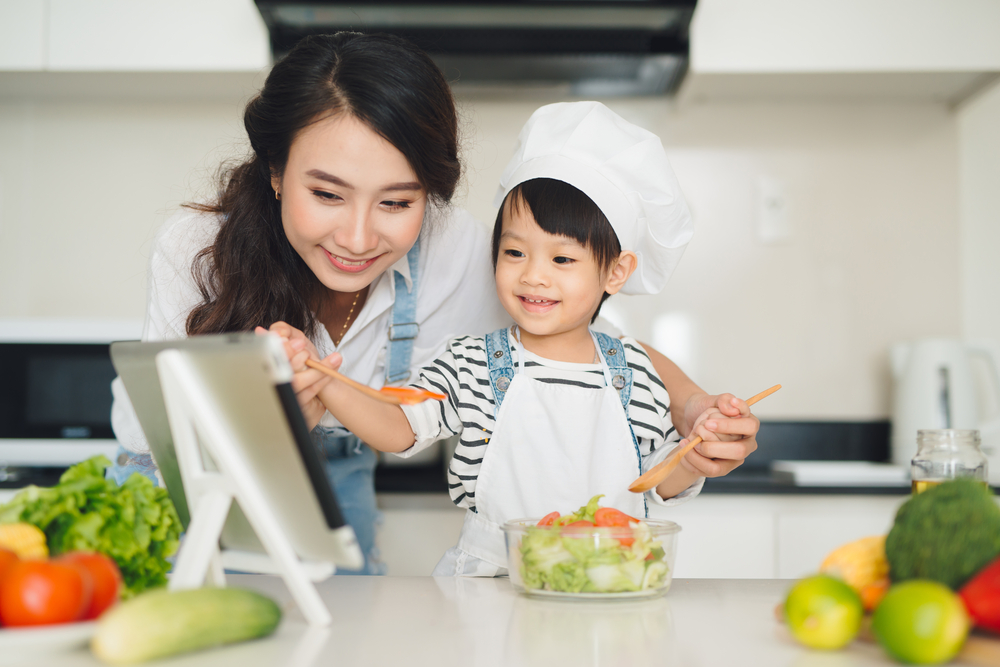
135,523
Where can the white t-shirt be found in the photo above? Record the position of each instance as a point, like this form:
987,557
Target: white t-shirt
456,295
462,374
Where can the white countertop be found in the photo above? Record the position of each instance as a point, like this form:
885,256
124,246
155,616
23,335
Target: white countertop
439,622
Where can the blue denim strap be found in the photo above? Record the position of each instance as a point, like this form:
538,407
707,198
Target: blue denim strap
500,365
613,353
404,327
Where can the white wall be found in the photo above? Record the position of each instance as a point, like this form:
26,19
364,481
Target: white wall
979,193
872,201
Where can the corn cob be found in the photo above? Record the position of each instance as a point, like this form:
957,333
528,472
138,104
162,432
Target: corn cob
24,539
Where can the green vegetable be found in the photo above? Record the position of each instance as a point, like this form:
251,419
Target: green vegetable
552,562
135,523
947,533
160,623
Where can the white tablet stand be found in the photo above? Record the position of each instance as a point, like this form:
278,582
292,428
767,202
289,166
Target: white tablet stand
196,424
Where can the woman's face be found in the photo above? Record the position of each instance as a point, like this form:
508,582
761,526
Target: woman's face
351,206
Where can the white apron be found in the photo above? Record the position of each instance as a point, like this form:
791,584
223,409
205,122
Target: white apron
553,447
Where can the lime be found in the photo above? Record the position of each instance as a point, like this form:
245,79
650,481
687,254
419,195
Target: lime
823,612
921,622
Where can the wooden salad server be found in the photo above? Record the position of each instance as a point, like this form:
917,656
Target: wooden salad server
662,470
393,395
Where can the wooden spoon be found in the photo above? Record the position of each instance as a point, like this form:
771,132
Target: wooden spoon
662,470
393,395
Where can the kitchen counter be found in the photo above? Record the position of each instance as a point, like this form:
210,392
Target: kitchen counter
439,622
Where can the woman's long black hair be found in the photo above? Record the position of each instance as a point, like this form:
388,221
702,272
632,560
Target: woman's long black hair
251,276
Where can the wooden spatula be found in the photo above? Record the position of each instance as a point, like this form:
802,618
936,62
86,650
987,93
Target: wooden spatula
394,395
661,471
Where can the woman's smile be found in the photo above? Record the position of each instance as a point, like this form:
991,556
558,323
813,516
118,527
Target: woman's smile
349,265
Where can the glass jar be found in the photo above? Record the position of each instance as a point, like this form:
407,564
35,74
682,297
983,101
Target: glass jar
946,454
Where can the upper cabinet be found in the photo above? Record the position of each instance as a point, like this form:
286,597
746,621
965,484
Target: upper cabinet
131,36
920,49
22,35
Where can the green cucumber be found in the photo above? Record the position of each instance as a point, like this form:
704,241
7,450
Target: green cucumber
160,623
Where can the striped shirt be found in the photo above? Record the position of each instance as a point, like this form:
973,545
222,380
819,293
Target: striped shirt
462,374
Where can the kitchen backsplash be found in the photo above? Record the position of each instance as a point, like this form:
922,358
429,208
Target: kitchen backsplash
864,238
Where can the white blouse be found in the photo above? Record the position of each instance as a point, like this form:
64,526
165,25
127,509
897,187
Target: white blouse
456,295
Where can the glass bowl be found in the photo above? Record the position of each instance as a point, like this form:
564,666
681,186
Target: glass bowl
591,562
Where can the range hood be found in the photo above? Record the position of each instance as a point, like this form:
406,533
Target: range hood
595,48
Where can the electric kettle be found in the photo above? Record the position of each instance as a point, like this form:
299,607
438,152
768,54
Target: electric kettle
935,388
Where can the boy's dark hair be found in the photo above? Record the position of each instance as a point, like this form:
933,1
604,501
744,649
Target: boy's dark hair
561,209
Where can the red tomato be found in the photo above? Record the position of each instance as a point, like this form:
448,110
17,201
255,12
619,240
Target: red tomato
37,592
7,558
106,577
582,523
609,517
548,519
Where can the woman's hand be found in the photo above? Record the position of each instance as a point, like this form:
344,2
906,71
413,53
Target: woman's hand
728,431
306,382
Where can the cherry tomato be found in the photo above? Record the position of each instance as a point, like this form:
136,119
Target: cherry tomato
39,592
548,519
106,576
609,517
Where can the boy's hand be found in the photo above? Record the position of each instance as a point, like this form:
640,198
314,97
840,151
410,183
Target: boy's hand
306,382
728,431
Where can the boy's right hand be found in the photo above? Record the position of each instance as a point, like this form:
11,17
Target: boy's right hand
306,382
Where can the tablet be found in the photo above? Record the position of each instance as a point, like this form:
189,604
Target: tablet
250,379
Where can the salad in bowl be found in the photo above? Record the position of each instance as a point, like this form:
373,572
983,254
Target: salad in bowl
595,552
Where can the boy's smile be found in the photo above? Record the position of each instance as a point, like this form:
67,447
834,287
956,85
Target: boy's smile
551,285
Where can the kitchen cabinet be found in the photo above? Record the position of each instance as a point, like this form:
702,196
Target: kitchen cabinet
22,35
941,50
156,35
128,36
722,536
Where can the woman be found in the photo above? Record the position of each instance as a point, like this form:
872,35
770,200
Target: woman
339,225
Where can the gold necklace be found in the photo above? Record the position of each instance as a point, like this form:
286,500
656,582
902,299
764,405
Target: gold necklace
343,330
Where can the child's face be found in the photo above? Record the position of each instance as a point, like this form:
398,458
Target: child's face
549,284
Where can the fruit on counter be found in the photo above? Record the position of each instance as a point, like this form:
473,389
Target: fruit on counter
7,559
24,539
823,612
921,622
106,578
872,594
863,566
161,623
37,592
981,596
947,533
553,559
858,563
135,523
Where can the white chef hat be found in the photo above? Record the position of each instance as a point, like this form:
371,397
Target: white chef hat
622,168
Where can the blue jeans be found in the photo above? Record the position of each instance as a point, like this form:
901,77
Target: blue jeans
350,467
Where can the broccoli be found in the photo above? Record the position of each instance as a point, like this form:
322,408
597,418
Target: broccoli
947,533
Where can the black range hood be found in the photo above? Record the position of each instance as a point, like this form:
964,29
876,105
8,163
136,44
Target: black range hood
595,47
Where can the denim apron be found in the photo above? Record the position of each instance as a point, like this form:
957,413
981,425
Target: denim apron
350,464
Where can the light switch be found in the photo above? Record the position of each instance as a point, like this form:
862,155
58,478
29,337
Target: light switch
773,221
